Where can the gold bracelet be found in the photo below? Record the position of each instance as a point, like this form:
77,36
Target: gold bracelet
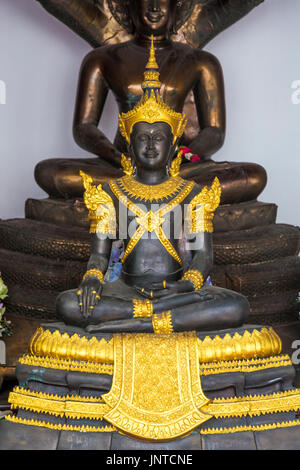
142,308
94,272
162,323
195,277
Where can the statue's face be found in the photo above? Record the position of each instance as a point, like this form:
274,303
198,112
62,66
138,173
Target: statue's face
152,16
151,145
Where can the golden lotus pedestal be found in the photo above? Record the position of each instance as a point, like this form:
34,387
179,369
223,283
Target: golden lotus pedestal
231,389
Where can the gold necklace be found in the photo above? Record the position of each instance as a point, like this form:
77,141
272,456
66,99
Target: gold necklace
146,192
151,221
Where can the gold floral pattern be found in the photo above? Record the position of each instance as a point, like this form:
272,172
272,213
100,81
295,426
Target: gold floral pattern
101,207
201,210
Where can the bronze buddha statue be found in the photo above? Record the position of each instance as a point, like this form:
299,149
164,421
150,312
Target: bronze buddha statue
162,280
183,70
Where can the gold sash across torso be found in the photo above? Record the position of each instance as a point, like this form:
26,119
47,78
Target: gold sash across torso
156,392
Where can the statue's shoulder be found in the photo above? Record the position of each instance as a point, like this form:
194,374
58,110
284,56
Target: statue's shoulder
206,60
98,56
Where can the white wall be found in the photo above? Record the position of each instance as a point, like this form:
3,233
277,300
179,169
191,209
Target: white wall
39,64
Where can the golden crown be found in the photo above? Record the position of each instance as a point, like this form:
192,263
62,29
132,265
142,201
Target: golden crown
151,108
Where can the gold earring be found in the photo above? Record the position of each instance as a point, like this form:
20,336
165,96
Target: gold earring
126,165
175,165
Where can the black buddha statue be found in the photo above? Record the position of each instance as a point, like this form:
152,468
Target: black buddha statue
184,70
169,221
157,359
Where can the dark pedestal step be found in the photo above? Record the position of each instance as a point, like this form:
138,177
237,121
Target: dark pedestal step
31,303
37,272
256,245
42,239
260,279
65,212
274,309
244,216
228,217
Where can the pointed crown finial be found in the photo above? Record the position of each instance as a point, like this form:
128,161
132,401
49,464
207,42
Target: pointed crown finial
151,108
152,64
151,74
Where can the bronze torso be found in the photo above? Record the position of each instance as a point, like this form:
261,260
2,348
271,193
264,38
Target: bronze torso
120,68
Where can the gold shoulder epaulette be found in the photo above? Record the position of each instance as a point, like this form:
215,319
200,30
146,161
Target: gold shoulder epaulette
100,205
201,209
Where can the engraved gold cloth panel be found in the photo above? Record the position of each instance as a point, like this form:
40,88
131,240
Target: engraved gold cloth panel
156,392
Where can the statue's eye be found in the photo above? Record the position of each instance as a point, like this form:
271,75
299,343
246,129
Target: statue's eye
158,137
143,137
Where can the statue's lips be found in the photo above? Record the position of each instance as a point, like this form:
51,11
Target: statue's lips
154,17
150,155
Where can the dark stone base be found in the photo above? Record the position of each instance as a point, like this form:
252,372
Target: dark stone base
214,434
21,437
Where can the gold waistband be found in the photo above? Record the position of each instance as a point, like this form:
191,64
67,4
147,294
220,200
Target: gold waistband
250,344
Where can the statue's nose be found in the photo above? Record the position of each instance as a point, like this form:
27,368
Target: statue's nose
154,5
150,143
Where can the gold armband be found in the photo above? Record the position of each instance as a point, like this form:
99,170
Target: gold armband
195,277
162,323
94,272
142,308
